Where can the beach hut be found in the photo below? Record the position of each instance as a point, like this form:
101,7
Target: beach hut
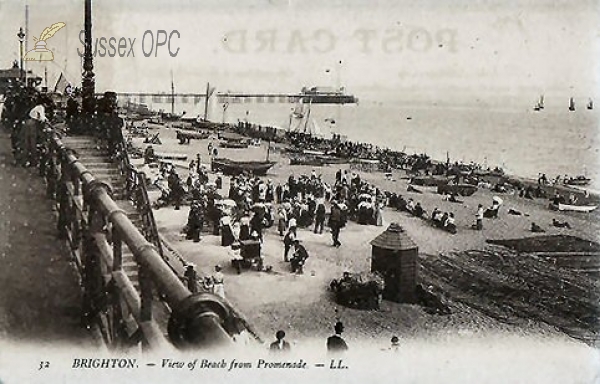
395,256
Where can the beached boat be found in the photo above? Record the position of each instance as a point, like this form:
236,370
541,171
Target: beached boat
460,189
232,167
590,104
576,208
233,144
192,135
233,140
430,181
579,181
306,160
571,104
316,159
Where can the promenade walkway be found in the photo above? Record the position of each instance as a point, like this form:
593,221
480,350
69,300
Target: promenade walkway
39,290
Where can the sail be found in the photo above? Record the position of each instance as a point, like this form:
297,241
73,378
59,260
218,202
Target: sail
313,128
61,84
298,118
302,121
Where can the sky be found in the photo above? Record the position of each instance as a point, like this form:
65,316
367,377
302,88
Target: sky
376,48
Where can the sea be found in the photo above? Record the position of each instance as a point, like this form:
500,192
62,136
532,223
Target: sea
511,135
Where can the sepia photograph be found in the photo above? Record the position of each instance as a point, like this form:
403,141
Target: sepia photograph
298,190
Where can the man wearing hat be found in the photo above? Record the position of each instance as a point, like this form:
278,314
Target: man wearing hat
191,277
299,257
395,347
319,217
195,221
279,345
335,343
335,223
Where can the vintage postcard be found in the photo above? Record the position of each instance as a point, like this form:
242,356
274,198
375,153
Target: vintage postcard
298,190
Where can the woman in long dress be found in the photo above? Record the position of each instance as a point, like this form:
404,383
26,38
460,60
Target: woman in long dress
218,282
281,224
227,237
379,215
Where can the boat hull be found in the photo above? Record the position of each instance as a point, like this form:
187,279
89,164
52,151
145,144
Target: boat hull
192,135
233,145
233,168
576,208
579,182
460,189
430,181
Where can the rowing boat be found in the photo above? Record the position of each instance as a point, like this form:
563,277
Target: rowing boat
576,208
232,167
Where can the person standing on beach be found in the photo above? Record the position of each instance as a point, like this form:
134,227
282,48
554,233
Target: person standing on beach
479,218
320,218
335,223
288,241
279,345
335,343
279,193
218,282
395,347
282,220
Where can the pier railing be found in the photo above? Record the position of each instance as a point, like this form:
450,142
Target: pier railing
97,232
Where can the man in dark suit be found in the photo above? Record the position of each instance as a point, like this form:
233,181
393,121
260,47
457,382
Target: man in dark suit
299,257
335,343
279,345
320,218
335,223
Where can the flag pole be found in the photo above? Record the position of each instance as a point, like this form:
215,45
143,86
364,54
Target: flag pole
172,95
206,102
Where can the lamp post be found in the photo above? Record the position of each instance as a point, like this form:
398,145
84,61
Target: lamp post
88,82
21,36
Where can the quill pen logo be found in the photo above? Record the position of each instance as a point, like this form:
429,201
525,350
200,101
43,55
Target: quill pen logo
40,52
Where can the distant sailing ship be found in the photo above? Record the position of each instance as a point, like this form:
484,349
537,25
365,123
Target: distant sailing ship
571,104
590,104
540,104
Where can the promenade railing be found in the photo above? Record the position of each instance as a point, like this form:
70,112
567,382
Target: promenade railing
97,231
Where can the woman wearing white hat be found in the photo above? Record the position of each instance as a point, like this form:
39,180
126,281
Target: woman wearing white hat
32,128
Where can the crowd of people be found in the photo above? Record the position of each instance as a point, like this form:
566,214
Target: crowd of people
25,114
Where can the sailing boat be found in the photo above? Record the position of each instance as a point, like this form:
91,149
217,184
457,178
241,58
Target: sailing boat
540,104
300,120
590,104
571,104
